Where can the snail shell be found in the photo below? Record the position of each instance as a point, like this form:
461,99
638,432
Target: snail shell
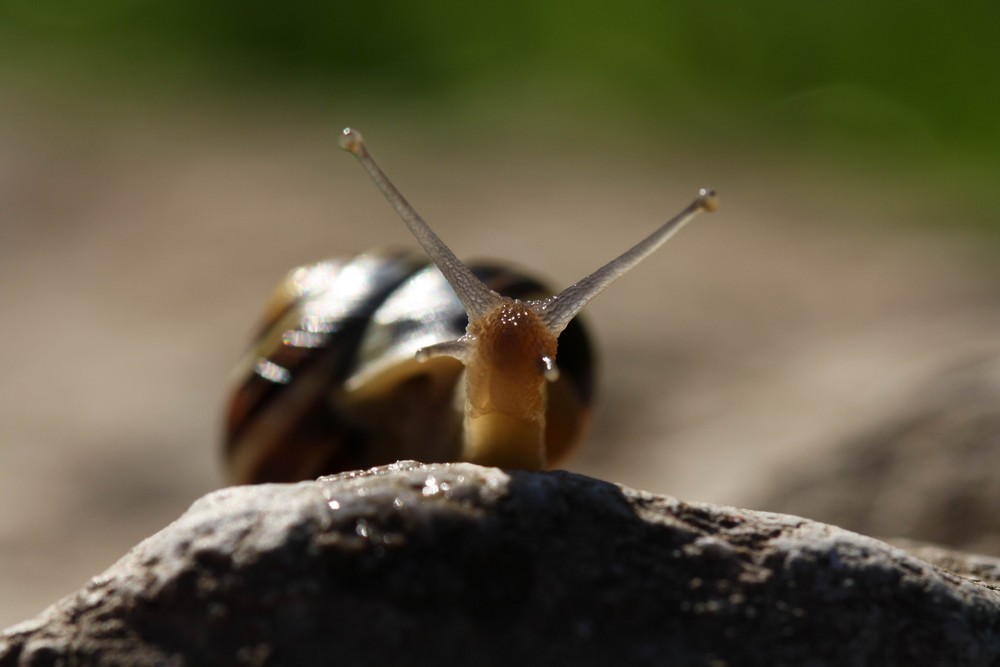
331,381
383,357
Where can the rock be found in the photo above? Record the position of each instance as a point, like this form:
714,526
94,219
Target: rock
930,473
984,569
462,565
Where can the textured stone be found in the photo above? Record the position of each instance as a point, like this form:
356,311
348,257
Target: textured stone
458,564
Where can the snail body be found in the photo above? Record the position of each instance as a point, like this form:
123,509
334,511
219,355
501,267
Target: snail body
331,381
380,357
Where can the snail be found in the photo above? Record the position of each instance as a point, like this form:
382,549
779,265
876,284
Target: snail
381,357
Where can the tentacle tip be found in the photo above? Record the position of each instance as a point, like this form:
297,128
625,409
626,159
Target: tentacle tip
708,200
351,141
550,369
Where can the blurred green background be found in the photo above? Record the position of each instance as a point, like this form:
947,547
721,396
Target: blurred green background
900,91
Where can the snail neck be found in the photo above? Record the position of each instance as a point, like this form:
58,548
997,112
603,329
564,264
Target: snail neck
504,441
505,388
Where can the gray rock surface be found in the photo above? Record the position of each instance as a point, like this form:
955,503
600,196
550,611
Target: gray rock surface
984,569
458,564
931,473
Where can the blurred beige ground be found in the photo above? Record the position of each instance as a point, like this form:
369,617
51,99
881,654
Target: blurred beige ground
134,257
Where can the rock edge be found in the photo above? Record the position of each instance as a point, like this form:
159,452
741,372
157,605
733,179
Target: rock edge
427,564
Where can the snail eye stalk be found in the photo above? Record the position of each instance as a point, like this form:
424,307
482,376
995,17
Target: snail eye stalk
477,298
557,311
